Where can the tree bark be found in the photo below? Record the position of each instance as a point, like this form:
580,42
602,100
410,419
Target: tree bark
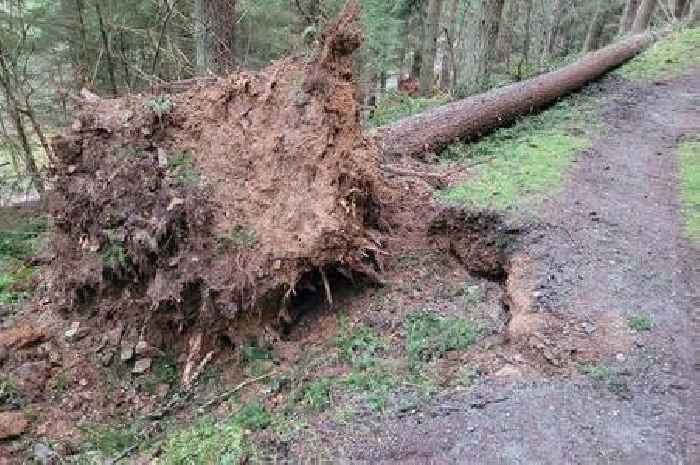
695,13
470,118
679,8
488,35
448,62
105,45
595,30
627,20
643,18
427,71
214,28
553,33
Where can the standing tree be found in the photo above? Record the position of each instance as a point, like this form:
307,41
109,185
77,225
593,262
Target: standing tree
492,11
643,18
627,20
432,27
214,25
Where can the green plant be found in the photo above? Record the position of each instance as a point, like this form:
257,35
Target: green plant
114,256
183,169
608,376
163,371
375,384
10,397
316,395
641,322
238,237
689,160
430,335
667,58
394,106
358,345
161,105
257,360
207,442
253,417
110,440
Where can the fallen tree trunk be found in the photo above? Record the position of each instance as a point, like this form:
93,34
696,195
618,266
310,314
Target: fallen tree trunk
472,117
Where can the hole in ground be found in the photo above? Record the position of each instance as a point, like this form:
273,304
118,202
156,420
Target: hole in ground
310,302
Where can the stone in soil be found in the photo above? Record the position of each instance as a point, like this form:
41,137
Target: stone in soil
12,424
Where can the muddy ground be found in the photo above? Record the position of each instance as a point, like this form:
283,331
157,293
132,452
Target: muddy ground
551,293
612,247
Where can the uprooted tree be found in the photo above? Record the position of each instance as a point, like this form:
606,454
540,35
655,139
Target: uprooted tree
183,213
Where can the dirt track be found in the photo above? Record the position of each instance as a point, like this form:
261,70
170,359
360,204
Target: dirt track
614,248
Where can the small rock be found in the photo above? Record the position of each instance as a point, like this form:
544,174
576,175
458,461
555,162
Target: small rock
83,382
12,424
162,158
141,347
127,352
142,366
620,357
114,337
174,203
277,265
162,390
106,358
44,454
588,328
75,332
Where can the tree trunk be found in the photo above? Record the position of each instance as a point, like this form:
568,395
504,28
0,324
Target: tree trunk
417,60
553,33
643,18
427,71
214,28
105,46
475,116
448,61
595,29
488,35
525,59
627,20
679,8
695,13
14,111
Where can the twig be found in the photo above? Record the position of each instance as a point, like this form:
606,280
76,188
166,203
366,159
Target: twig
226,395
122,455
327,287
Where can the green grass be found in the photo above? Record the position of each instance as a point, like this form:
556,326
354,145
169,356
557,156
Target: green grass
238,237
10,397
22,238
206,442
522,164
429,336
641,322
394,106
668,58
358,345
689,160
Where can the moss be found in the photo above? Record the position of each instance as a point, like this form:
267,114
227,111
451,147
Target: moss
522,164
689,158
667,58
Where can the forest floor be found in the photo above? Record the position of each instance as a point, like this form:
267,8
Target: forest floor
573,347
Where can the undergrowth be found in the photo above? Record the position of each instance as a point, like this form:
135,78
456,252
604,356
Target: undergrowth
667,58
689,160
20,239
524,163
394,106
429,336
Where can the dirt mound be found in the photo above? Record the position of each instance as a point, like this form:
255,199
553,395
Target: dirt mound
184,212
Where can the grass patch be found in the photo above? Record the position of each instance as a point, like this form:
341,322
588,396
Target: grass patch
183,169
239,237
394,106
22,238
521,164
641,322
667,58
607,376
104,441
689,159
10,397
358,345
206,442
430,335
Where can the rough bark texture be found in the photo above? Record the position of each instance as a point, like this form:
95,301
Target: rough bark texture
427,72
627,20
214,35
595,29
679,8
646,11
472,117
